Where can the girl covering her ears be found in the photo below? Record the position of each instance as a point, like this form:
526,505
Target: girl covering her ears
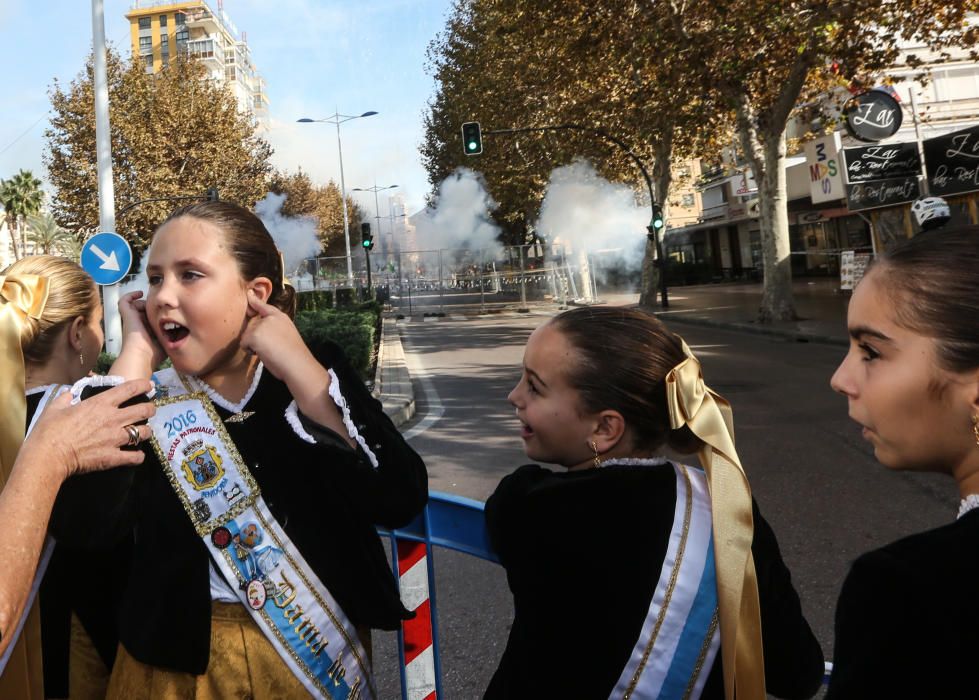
634,576
906,622
60,345
257,570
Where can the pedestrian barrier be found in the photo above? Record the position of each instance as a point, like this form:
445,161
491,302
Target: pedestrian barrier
455,523
448,521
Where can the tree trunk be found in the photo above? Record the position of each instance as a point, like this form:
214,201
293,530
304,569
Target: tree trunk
12,229
650,277
776,298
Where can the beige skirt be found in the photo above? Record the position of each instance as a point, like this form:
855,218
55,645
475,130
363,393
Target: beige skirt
243,664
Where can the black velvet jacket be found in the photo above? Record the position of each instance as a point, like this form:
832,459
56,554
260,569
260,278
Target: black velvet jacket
326,496
583,552
87,582
907,623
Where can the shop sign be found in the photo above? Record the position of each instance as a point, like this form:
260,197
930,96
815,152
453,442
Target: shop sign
853,266
953,162
743,183
881,193
810,217
823,161
881,162
872,116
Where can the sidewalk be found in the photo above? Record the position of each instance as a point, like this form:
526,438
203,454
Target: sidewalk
819,303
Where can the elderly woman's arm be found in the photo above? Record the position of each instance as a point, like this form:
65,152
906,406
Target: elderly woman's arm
66,440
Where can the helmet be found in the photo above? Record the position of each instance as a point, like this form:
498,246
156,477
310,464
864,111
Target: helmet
931,212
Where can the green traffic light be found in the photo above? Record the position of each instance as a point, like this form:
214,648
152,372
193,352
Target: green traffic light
473,145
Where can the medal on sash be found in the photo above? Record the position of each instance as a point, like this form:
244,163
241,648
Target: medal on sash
680,636
277,586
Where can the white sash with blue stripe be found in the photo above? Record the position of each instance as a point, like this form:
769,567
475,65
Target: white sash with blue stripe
276,585
680,637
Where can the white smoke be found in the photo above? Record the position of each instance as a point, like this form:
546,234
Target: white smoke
294,236
461,216
584,212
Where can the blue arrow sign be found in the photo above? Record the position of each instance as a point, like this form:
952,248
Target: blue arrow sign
106,257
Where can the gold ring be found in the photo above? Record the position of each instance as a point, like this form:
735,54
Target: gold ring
133,432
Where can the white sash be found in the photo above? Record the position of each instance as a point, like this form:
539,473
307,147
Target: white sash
680,637
46,551
273,581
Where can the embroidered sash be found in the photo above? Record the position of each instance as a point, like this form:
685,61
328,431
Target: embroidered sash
680,636
285,597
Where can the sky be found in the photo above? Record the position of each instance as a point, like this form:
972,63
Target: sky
317,57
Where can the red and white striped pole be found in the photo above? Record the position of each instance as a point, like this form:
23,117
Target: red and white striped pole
419,652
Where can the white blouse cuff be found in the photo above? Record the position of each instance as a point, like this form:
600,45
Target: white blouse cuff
97,380
292,416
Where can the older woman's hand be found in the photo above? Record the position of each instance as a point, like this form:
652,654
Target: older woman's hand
92,434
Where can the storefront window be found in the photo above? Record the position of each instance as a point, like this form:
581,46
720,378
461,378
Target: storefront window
890,227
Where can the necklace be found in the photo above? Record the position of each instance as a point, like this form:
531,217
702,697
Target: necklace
968,503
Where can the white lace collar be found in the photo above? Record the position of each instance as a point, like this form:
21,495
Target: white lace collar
634,461
200,385
39,389
968,503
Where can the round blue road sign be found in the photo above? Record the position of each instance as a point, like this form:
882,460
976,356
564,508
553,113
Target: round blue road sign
106,257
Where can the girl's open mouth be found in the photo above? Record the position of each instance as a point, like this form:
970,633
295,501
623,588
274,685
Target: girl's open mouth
174,332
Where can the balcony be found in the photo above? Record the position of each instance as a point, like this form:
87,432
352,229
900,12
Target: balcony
208,50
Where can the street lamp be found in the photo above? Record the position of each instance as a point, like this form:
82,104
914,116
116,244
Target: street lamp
377,209
338,119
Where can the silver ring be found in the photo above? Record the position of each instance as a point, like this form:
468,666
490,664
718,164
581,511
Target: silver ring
133,432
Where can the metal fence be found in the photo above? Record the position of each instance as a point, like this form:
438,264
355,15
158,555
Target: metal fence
453,279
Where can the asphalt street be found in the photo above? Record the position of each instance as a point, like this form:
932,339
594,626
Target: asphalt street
814,477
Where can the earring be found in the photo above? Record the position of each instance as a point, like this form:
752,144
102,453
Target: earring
81,359
598,460
975,428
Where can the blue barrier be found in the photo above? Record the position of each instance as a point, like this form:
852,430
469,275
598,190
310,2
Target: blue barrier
448,521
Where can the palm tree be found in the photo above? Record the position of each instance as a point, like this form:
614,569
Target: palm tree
46,235
21,196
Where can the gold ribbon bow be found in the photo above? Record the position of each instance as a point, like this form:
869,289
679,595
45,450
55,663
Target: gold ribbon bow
709,416
21,297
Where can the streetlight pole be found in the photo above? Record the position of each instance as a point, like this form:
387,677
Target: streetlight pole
377,208
338,119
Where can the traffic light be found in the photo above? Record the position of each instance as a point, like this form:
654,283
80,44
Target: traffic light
658,222
366,237
472,139
212,194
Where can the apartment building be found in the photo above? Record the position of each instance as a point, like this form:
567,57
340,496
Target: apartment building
160,29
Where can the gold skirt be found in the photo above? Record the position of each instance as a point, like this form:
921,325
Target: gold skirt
243,664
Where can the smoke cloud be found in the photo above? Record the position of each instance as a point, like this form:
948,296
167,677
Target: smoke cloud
461,216
583,211
294,236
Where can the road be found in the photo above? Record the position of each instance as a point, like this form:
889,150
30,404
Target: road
814,477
